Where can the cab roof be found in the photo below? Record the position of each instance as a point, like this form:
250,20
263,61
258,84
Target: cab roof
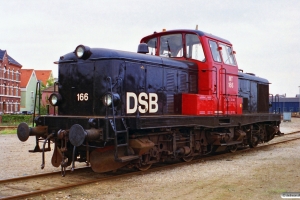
198,32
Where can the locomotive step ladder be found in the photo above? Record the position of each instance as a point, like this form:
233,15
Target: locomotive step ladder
116,132
118,145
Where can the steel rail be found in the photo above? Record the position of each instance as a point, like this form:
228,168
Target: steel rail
2,181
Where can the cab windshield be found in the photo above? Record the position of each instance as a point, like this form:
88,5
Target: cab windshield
194,48
171,46
152,46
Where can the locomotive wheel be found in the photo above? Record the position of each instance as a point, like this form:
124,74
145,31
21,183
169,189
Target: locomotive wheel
232,148
253,142
144,167
188,158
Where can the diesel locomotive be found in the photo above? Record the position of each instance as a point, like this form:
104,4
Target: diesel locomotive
181,95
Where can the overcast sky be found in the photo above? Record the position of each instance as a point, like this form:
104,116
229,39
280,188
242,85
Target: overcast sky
265,33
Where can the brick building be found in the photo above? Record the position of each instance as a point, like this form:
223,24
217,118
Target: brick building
10,93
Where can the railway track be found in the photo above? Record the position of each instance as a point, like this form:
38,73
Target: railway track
23,187
29,186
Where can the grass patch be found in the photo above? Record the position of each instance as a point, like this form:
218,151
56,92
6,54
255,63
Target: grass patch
15,120
8,131
277,191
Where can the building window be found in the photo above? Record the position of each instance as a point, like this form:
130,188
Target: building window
17,75
32,94
4,72
4,89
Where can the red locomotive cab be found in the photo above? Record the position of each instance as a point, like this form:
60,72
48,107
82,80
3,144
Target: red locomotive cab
222,61
217,69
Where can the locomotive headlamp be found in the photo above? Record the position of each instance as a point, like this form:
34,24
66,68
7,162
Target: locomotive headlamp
79,51
110,98
55,99
83,52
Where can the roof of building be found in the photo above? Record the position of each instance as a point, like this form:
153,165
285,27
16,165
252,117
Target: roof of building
25,77
285,99
50,89
10,59
43,75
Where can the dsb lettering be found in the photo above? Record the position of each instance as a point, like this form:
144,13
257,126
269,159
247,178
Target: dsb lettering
144,102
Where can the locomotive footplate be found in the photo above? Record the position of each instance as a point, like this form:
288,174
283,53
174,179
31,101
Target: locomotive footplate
146,122
161,121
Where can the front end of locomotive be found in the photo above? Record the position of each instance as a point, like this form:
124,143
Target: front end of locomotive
84,119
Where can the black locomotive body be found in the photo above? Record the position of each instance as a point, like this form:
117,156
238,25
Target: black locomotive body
116,108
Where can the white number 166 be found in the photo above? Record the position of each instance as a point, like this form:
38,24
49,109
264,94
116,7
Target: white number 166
82,96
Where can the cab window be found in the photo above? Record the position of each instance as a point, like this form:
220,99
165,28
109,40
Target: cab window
152,46
214,51
171,46
194,48
227,55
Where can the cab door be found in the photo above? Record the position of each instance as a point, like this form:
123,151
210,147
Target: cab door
219,79
229,79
